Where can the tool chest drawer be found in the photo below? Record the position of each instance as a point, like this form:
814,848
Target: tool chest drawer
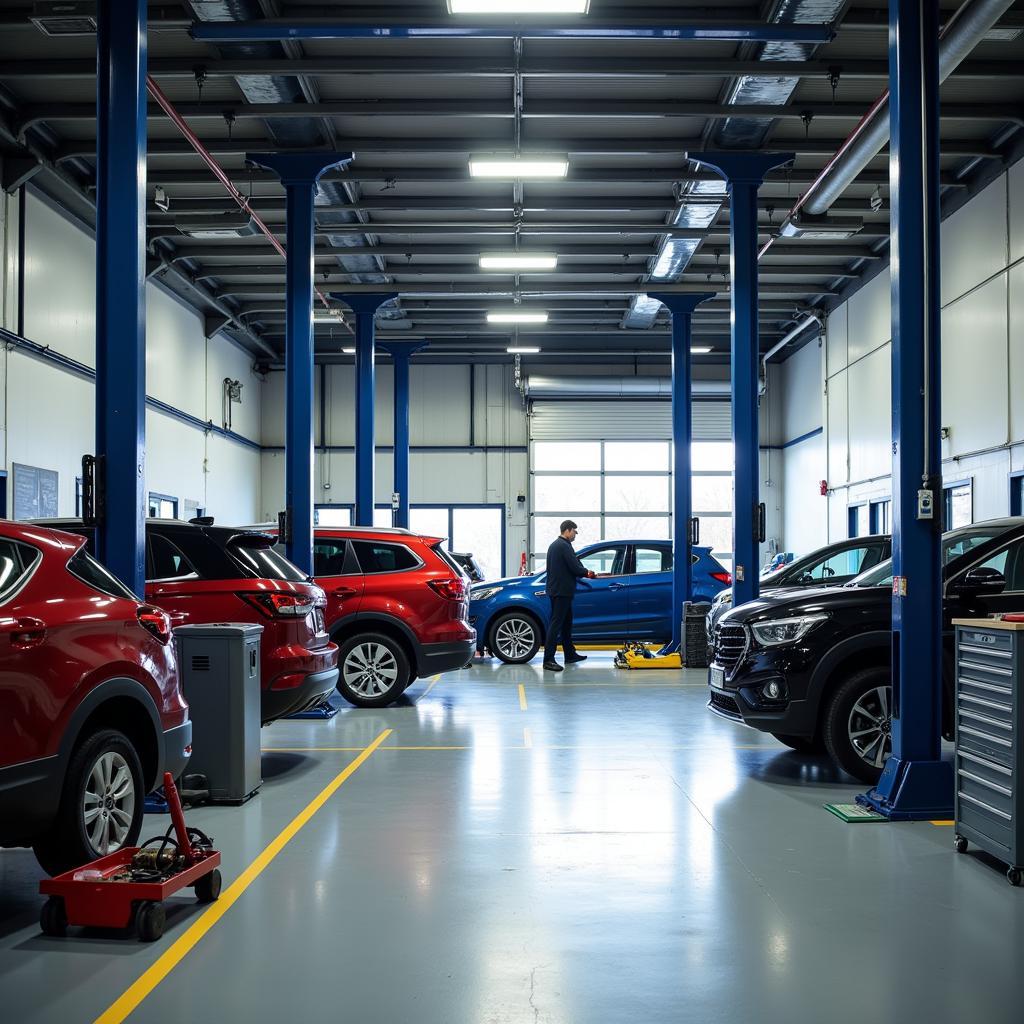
989,768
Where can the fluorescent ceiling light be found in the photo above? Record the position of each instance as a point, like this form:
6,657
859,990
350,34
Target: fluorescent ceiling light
349,351
518,167
513,316
515,7
700,350
520,350
219,225
518,261
822,228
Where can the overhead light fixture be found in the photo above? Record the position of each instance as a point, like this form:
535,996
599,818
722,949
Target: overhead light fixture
699,350
516,7
64,17
219,225
518,261
513,316
349,351
518,167
521,350
804,225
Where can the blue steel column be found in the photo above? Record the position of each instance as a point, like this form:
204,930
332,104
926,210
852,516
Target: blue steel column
744,173
681,307
364,306
299,173
915,782
120,287
400,356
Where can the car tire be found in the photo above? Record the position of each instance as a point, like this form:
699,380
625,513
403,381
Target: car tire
105,765
801,744
373,670
858,723
514,638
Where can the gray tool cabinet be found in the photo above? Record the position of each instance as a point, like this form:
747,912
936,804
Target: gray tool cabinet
989,755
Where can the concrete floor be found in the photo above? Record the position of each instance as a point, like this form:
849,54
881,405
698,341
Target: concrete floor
589,848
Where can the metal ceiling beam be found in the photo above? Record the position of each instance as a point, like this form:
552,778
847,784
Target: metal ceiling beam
593,109
474,67
417,27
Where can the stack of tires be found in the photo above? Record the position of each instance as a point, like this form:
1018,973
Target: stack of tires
695,634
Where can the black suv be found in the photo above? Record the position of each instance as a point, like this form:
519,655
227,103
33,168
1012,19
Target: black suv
831,566
813,667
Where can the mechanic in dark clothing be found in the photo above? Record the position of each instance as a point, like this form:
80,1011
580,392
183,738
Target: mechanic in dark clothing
563,569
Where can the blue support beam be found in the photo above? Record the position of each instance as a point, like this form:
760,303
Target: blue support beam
279,29
916,783
365,307
681,307
299,173
401,353
121,288
744,172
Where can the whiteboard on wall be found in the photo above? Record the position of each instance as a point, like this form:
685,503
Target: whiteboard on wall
35,492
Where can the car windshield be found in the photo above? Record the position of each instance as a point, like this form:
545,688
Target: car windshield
954,544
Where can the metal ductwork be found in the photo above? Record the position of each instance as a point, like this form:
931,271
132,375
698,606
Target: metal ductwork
734,133
961,36
618,387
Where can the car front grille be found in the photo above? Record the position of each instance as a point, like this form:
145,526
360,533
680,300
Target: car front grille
725,704
730,646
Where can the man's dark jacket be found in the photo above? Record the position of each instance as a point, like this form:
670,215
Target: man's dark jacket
563,569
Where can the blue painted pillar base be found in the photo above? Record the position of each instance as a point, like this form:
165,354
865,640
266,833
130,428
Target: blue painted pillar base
681,308
364,305
401,353
299,172
912,791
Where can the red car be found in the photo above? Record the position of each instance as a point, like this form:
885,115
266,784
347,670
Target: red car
397,607
91,714
204,573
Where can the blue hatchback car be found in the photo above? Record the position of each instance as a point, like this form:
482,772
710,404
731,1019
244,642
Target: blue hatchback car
631,599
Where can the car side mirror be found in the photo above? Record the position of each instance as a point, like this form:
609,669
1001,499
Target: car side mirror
979,582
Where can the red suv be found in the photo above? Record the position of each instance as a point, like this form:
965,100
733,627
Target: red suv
397,607
205,573
91,714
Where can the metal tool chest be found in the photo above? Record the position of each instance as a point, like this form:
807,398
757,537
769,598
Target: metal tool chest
989,754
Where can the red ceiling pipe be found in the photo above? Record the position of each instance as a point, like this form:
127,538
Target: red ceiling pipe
218,172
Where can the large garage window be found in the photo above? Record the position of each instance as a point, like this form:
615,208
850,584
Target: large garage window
623,489
959,504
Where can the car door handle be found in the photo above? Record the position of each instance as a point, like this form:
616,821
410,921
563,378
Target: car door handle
344,591
25,632
616,586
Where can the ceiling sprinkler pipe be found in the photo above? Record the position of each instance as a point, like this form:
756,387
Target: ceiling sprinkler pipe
787,339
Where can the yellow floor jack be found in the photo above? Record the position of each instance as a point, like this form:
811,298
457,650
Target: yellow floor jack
637,655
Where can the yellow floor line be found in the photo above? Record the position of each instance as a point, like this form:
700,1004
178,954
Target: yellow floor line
433,683
180,948
942,823
527,738
523,706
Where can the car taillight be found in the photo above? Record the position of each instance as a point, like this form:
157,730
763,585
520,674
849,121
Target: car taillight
155,621
451,590
280,605
723,577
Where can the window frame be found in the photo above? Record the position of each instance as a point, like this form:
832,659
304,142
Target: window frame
876,512
948,487
853,519
1016,484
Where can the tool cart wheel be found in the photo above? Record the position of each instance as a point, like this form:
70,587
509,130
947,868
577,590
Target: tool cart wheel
1015,876
208,887
53,918
150,920
959,844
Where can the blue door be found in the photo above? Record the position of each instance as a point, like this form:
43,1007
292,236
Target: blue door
601,608
650,592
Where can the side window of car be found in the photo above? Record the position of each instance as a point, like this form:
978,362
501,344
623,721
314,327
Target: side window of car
606,561
653,559
16,562
167,561
1010,562
844,565
329,557
376,558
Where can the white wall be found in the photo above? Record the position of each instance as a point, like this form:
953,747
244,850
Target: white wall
982,295
439,415
48,412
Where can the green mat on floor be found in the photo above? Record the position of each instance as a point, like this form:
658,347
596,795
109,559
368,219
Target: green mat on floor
853,813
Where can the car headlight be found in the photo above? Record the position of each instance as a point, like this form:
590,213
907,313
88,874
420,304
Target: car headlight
785,631
483,595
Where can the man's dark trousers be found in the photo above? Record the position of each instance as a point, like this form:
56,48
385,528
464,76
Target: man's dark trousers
560,626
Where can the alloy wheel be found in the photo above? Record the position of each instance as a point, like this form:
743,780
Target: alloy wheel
370,669
870,725
108,804
515,638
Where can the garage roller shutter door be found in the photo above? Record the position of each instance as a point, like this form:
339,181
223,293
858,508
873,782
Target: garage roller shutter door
624,421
